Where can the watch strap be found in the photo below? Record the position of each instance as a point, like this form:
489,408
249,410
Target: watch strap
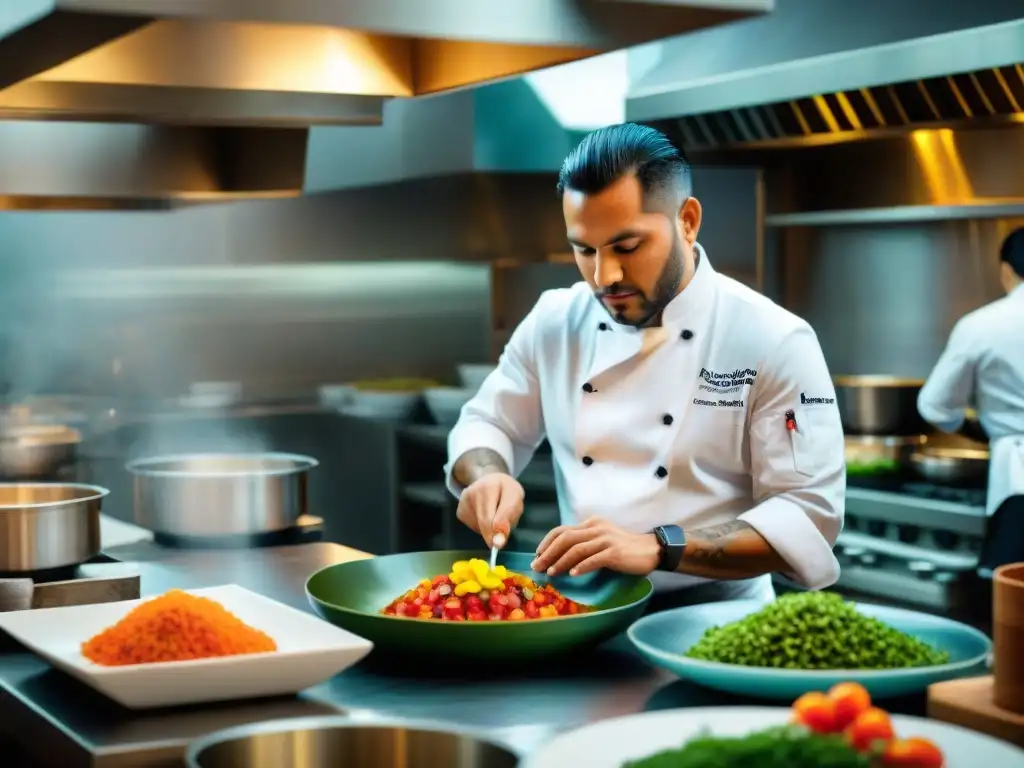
673,543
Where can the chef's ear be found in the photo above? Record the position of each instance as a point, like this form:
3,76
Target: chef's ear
689,219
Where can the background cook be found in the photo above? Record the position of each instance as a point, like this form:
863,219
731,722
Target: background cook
692,421
983,366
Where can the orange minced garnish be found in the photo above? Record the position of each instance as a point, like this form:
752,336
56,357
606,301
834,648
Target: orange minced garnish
175,627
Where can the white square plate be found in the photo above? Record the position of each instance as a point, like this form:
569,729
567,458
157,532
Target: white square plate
309,651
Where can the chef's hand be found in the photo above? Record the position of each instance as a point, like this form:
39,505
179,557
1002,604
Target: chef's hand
594,544
492,506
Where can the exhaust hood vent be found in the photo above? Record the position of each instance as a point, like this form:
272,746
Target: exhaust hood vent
301,62
987,95
88,166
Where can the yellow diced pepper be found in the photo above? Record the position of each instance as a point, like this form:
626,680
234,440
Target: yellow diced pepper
548,611
501,572
426,583
490,581
467,587
480,569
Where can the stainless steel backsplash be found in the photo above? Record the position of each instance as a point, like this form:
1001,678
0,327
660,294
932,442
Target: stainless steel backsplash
139,305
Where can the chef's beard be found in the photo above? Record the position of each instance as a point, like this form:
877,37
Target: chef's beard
666,288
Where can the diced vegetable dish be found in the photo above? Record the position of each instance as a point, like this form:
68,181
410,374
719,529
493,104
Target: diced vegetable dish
473,592
838,729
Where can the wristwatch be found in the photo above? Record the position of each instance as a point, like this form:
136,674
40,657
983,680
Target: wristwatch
673,542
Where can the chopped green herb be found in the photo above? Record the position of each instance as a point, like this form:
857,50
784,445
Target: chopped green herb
814,630
783,747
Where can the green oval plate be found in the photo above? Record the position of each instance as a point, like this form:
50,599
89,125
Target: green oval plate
352,596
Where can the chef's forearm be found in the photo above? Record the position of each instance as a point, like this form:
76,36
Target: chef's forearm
732,550
475,463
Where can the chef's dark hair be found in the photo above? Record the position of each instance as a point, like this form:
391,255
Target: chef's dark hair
608,154
1012,251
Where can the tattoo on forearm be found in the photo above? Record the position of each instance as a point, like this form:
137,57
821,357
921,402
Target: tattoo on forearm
732,550
474,464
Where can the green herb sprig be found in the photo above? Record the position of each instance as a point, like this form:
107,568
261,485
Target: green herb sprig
782,747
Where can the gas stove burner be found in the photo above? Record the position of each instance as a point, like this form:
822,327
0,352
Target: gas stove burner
307,530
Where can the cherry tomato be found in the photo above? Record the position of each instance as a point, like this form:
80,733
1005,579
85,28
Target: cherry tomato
531,609
849,700
912,753
540,599
871,726
815,711
472,615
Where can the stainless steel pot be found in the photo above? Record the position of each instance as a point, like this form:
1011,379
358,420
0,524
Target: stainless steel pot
220,494
951,466
869,455
337,742
36,450
879,405
48,525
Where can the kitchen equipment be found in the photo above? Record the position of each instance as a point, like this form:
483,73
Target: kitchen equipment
48,525
30,451
338,742
472,375
951,466
969,703
879,405
93,584
220,494
620,741
868,455
335,395
445,403
352,595
309,652
212,394
664,637
1008,635
386,406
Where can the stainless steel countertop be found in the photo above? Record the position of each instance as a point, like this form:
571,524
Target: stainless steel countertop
61,722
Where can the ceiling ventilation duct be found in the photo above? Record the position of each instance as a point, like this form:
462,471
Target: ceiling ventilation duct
852,81
301,62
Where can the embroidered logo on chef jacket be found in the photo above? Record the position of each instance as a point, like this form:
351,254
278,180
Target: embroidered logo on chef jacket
726,383
805,400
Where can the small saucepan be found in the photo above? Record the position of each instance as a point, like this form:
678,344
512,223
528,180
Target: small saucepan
951,466
30,451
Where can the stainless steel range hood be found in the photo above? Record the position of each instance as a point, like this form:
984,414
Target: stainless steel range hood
124,104
874,68
301,62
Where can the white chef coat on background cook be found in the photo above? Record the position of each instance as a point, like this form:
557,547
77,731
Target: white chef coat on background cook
682,424
983,365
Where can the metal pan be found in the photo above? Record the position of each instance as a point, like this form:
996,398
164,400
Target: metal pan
36,450
220,494
879,405
951,466
44,526
338,742
352,595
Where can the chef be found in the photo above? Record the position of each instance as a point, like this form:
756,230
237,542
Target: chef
692,422
983,366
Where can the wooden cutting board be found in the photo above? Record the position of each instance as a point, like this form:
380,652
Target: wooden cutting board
968,703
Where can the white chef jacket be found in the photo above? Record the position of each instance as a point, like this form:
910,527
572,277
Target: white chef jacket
683,424
983,365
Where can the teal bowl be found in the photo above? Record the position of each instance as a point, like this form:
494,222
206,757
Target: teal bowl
351,596
663,638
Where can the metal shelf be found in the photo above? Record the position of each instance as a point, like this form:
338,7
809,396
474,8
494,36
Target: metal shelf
902,214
